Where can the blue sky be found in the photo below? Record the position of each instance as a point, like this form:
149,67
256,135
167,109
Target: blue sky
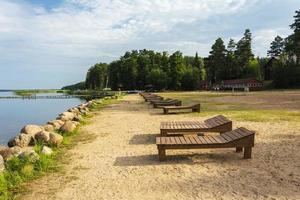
52,43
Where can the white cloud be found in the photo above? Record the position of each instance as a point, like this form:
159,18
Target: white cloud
262,39
80,27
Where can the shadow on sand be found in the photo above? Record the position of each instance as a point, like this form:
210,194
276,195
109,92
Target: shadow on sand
143,139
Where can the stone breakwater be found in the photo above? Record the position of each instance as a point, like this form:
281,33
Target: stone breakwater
49,134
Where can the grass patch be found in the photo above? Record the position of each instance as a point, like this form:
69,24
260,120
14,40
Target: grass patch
256,115
20,171
241,111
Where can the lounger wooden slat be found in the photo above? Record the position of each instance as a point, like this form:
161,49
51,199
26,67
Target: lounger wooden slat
187,141
207,138
193,140
198,140
226,137
177,140
173,140
229,134
237,134
219,121
244,141
220,139
202,140
212,139
182,140
241,132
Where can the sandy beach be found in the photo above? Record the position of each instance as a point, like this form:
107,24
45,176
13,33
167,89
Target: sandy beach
120,162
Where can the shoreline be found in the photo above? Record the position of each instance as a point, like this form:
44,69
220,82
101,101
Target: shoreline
39,143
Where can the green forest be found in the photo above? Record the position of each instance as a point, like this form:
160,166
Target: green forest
235,60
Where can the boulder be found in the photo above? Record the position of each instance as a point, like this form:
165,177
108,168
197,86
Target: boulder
77,118
74,110
47,150
66,116
43,136
2,164
22,140
49,127
5,152
68,127
75,123
30,154
56,124
31,129
16,150
60,122
55,139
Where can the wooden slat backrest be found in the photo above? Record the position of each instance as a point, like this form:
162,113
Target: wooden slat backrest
216,121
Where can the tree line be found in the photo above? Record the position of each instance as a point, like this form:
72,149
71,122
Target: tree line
234,60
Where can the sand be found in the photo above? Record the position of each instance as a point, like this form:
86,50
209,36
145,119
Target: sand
121,162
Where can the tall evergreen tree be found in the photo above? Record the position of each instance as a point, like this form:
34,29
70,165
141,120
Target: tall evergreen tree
216,61
243,52
277,47
231,66
296,36
176,70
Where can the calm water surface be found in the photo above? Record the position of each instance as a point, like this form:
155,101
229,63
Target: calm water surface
15,113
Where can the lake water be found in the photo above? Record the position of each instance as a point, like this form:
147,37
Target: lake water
15,113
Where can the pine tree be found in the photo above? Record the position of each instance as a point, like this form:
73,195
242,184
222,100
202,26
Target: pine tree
243,52
216,61
296,36
276,47
231,66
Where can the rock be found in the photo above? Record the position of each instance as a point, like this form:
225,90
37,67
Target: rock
43,136
30,154
74,110
49,128
31,129
77,118
47,150
2,164
60,122
55,139
75,123
5,152
66,116
16,150
56,124
83,112
68,127
22,140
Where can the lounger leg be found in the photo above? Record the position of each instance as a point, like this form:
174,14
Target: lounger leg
163,133
161,154
239,149
247,152
165,111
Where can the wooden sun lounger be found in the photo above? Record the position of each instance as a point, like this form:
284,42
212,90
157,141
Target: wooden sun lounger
194,107
218,124
240,138
159,100
153,98
173,102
